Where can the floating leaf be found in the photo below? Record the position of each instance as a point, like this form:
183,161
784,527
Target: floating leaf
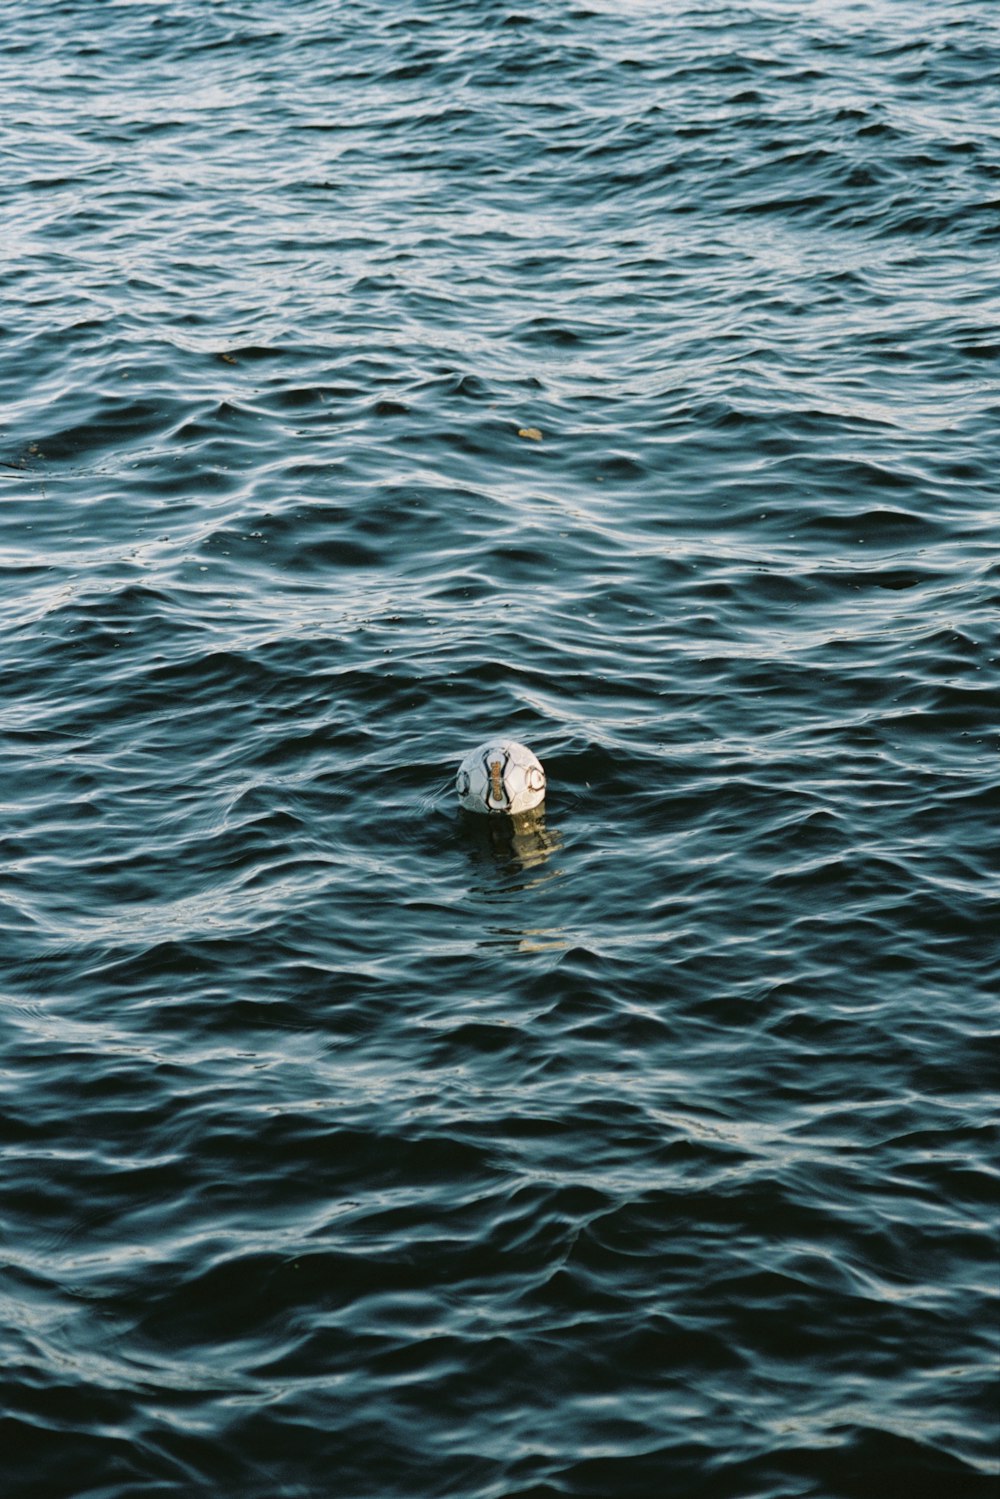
531,432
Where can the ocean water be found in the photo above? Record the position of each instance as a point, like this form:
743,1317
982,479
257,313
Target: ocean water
354,1147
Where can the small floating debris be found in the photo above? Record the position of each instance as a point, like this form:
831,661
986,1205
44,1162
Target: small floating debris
530,432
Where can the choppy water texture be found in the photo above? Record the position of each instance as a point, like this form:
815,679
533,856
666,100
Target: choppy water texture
352,1149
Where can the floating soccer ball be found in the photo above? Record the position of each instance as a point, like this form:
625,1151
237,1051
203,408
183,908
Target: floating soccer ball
500,776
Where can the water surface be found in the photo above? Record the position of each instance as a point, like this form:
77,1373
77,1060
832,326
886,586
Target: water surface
350,1147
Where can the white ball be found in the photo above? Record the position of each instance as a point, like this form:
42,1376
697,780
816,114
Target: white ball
500,776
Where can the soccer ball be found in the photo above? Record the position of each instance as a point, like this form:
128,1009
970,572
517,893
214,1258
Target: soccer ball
500,776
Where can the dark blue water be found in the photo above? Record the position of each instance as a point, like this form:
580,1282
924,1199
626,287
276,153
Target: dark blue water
349,1148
